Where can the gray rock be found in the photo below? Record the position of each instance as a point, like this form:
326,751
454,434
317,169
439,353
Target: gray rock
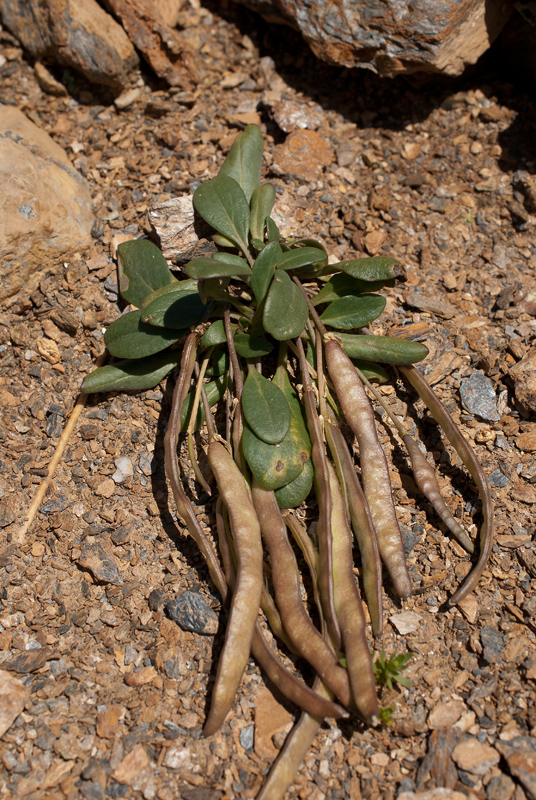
45,207
498,479
478,397
192,613
393,37
492,642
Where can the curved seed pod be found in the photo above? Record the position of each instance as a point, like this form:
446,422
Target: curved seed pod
359,414
323,493
305,637
427,482
350,611
247,592
309,552
462,447
363,528
294,690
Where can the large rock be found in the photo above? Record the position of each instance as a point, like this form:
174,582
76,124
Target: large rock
75,33
394,36
45,205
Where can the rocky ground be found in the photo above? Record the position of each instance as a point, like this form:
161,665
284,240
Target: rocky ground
114,693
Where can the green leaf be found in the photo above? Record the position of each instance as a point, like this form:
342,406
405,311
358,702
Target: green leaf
231,258
265,408
249,346
142,269
137,374
294,493
129,337
341,284
385,349
263,269
174,307
300,257
222,203
215,334
244,161
274,465
218,364
272,230
215,391
353,311
262,202
377,268
285,310
371,371
207,267
222,241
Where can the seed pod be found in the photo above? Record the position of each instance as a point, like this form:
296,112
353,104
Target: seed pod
359,414
247,591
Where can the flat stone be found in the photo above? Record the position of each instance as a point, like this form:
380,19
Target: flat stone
439,793
478,396
100,563
474,757
303,155
291,115
443,715
192,613
406,622
527,441
501,787
520,755
142,677
178,757
432,305
30,661
492,642
108,721
469,608
13,697
45,207
271,718
132,765
524,376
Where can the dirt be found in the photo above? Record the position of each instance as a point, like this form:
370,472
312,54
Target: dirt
427,171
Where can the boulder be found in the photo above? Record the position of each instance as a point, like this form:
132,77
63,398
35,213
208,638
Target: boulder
45,205
393,37
78,34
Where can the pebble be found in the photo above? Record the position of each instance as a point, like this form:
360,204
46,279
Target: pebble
192,613
132,765
126,98
100,563
304,154
439,793
291,115
13,697
247,738
30,661
498,479
478,396
405,622
108,721
141,677
106,488
469,608
443,715
474,757
178,757
520,755
492,642
527,441
125,469
524,376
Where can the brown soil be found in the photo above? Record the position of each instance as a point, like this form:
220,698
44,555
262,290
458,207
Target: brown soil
419,170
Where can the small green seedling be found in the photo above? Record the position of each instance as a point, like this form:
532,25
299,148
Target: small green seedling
389,671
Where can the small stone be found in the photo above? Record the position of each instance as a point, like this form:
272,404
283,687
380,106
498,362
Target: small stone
303,155
439,793
492,642
125,469
192,613
13,697
141,677
178,757
478,396
527,441
443,715
501,787
100,563
474,757
406,622
525,493
524,376
247,738
498,479
469,608
270,718
106,488
291,115
373,241
126,98
520,755
423,302
132,765
108,720
30,661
